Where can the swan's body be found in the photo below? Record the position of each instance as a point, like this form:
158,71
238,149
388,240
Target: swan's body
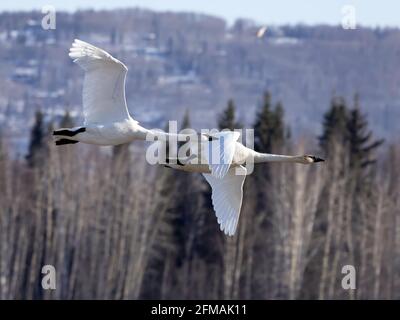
111,134
219,157
107,119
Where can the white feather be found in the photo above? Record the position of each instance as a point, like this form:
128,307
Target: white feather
104,84
227,195
219,152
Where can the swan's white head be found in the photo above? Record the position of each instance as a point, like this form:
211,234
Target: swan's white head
309,159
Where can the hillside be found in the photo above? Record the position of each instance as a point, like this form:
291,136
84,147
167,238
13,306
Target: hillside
181,61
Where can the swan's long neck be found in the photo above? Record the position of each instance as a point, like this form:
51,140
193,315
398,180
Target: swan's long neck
140,133
266,157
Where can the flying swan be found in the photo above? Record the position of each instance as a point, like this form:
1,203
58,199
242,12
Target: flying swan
219,157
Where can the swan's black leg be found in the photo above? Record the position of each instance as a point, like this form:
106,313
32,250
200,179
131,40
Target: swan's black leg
178,162
68,132
65,141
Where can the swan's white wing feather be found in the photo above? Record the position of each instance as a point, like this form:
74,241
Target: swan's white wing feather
227,195
104,84
219,152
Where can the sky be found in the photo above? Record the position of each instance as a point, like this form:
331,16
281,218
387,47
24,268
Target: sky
383,13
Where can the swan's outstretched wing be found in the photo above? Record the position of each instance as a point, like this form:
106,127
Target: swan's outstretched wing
104,84
227,195
219,152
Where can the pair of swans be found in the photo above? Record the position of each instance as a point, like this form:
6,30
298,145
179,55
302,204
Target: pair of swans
108,122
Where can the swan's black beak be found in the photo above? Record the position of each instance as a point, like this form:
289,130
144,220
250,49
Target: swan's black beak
318,159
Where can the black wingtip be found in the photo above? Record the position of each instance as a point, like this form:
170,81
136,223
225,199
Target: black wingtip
65,141
68,132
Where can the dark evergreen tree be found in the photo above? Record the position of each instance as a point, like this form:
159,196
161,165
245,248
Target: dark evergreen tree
263,125
360,139
349,128
67,121
37,143
227,119
194,219
269,136
334,125
278,128
269,129
184,235
350,148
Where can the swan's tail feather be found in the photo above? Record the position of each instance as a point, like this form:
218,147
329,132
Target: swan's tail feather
61,142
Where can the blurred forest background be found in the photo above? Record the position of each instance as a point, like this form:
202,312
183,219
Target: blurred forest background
115,227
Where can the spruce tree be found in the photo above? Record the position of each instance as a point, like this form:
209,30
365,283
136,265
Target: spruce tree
263,125
269,137
37,143
349,128
360,139
66,121
269,128
334,125
182,235
278,128
193,215
227,119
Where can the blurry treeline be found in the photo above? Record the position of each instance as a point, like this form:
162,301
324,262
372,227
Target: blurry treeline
115,227
180,60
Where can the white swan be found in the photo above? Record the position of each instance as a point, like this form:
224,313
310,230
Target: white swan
220,157
222,162
107,120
